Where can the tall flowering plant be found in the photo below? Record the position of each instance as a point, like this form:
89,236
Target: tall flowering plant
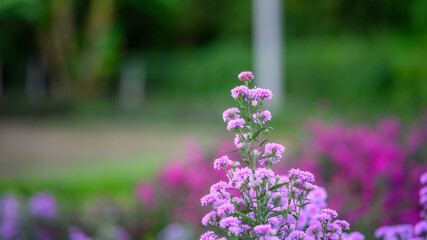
255,202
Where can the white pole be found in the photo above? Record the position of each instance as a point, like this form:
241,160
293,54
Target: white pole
131,84
267,47
35,81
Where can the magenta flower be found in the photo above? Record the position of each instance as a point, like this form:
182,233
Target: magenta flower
209,235
264,173
262,117
343,224
246,76
260,94
42,205
232,124
221,162
230,114
423,178
296,235
226,208
240,91
209,218
229,221
238,143
330,212
274,148
322,217
147,194
318,195
77,234
301,175
264,229
219,186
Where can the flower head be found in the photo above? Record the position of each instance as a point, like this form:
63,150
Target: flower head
232,124
343,224
262,117
221,162
246,76
260,94
77,234
302,176
423,178
209,218
230,114
264,173
209,235
274,148
238,142
226,207
264,229
210,198
322,217
242,91
42,205
332,213
296,235
228,221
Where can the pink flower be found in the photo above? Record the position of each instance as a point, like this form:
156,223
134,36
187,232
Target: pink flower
423,178
209,235
146,194
239,91
238,143
230,114
246,76
222,161
262,117
232,124
271,148
260,94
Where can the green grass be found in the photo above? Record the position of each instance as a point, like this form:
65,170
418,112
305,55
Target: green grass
76,184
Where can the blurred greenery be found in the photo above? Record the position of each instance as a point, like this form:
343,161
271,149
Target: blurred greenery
362,55
75,185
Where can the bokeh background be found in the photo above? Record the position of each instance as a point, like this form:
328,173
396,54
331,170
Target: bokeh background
108,106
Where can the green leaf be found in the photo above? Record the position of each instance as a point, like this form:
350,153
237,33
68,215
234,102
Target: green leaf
263,142
278,186
246,211
276,213
246,219
249,150
259,131
235,150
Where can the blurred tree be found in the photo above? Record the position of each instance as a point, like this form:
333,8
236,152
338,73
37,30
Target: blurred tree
78,58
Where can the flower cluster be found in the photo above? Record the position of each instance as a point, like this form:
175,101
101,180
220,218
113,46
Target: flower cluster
409,231
9,213
246,76
38,219
42,205
368,166
257,203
